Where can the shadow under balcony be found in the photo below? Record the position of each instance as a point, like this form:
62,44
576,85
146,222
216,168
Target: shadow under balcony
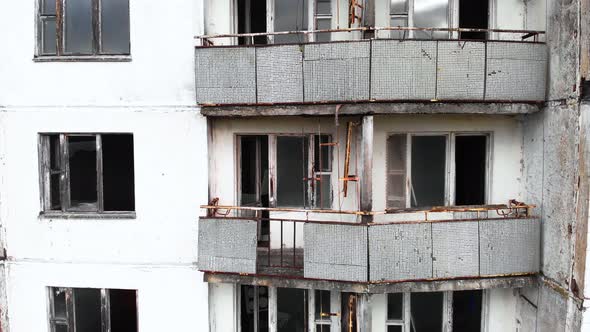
373,72
399,246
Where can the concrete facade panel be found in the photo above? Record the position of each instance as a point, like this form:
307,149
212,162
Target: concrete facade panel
460,70
226,75
336,71
279,74
455,249
509,246
403,70
227,245
400,252
335,252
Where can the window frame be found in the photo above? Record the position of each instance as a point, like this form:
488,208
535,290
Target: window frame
447,312
450,165
70,298
61,54
45,173
311,197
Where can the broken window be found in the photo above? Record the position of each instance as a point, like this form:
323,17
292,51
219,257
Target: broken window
252,19
92,310
470,169
254,308
467,311
395,312
419,14
473,14
302,173
83,27
426,311
418,170
87,173
324,309
291,310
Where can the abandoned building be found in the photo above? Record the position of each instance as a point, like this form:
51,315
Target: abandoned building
294,165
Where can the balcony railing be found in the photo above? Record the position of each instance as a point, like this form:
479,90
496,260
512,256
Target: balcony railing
378,69
400,245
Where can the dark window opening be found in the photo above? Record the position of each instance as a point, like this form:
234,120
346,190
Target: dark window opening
426,312
322,305
291,310
92,310
395,306
254,309
88,172
83,27
322,166
470,170
252,19
254,181
292,163
428,171
473,14
82,162
123,310
118,172
467,311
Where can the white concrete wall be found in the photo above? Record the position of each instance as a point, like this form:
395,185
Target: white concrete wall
161,71
155,253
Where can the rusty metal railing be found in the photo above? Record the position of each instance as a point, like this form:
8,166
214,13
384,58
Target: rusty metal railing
407,33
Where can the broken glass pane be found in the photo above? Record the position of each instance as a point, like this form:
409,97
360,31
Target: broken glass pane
82,162
87,309
322,153
467,311
428,171
290,15
292,172
426,311
395,305
78,27
115,26
59,303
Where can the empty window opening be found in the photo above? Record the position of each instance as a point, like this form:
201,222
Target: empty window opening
83,27
473,14
290,15
292,171
254,308
428,171
427,312
467,311
291,310
395,312
252,19
87,172
470,169
118,172
92,310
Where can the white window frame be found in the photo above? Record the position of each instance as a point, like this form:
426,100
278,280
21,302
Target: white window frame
450,166
332,321
311,196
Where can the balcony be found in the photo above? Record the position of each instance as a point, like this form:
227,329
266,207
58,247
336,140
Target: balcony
438,244
371,70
